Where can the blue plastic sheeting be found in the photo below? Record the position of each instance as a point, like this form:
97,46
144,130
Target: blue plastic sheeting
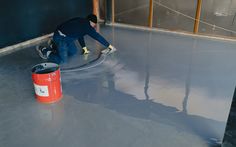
158,89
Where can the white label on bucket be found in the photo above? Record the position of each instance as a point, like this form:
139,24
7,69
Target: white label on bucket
41,90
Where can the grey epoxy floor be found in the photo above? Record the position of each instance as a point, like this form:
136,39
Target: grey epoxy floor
158,89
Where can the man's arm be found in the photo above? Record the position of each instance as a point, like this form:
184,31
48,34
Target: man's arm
81,41
92,33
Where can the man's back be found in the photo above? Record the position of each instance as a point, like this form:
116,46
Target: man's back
75,28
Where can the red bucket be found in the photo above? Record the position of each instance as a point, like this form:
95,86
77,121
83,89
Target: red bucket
47,82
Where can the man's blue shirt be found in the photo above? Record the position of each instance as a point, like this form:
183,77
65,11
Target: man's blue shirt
77,28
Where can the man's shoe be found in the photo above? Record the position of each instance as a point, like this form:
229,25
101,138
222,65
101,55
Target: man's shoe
42,52
52,45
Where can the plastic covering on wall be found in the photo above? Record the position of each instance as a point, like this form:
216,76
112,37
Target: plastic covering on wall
218,17
132,12
177,15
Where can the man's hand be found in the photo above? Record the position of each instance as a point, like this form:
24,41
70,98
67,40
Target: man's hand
109,49
85,50
112,48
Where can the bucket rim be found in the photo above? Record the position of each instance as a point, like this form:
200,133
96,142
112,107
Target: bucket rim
51,63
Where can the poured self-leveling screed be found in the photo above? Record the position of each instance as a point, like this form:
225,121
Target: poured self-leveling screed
158,89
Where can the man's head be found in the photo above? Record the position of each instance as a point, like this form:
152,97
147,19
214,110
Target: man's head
92,19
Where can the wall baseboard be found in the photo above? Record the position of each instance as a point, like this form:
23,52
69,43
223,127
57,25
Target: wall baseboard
205,36
28,43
